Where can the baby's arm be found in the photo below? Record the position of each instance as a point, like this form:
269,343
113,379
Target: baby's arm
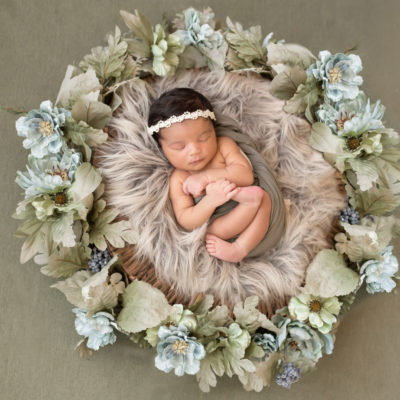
237,168
191,216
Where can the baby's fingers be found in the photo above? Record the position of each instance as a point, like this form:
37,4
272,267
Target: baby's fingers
229,187
233,193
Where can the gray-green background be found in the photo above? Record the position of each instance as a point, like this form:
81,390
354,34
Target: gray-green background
39,39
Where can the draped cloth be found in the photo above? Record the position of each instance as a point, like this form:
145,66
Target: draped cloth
264,178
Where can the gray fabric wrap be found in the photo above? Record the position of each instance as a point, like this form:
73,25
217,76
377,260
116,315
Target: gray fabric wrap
226,126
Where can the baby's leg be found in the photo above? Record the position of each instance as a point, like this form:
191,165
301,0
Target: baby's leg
247,240
236,221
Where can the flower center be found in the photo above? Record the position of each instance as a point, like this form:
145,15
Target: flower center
335,75
343,118
353,143
315,306
60,198
46,128
61,172
293,345
180,347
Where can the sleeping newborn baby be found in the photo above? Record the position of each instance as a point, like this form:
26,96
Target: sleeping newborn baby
209,171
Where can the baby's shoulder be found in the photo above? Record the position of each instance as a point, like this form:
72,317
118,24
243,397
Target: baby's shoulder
226,144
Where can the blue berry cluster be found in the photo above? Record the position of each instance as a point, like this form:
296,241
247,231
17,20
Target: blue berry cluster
99,259
290,374
349,215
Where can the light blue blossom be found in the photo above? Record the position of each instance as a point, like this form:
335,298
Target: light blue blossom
98,328
50,174
378,274
298,340
42,129
268,341
200,34
338,74
289,375
176,350
355,116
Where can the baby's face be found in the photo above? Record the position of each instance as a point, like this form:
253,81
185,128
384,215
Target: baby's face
189,145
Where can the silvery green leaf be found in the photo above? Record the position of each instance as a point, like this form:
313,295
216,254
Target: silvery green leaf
75,84
144,307
93,112
329,276
138,48
87,178
210,323
34,230
61,230
139,25
263,374
108,61
306,95
285,84
235,62
289,53
210,366
374,201
247,43
203,305
366,172
323,140
64,262
250,318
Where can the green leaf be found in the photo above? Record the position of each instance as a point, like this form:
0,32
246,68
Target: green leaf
210,366
290,54
75,84
285,84
108,62
322,139
247,43
87,178
139,25
61,230
81,134
203,305
247,315
329,276
306,95
366,172
210,323
138,48
64,262
88,109
144,307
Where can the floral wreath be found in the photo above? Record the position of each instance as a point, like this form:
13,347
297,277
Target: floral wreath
68,227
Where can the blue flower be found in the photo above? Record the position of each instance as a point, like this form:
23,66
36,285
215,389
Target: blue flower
42,129
268,341
98,328
379,274
298,340
200,34
178,351
289,375
50,174
338,74
356,115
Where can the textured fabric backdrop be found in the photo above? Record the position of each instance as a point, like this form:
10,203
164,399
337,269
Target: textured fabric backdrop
37,336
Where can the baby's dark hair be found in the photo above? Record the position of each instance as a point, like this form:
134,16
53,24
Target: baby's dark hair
176,102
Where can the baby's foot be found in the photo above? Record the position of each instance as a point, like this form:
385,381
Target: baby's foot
224,250
249,195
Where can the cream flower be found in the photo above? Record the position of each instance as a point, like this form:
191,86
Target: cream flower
319,311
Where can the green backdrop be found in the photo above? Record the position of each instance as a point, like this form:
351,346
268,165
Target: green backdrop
39,39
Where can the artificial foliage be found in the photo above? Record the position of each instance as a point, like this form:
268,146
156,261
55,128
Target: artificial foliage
67,225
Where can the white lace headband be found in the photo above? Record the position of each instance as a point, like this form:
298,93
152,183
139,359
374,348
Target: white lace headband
186,115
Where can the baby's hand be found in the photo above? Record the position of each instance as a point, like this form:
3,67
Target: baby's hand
221,191
195,184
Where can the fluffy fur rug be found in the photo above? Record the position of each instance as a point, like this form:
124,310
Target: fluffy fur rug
136,175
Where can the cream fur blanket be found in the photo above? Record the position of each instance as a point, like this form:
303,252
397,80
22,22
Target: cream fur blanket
136,175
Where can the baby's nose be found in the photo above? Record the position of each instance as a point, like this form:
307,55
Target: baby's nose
193,148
